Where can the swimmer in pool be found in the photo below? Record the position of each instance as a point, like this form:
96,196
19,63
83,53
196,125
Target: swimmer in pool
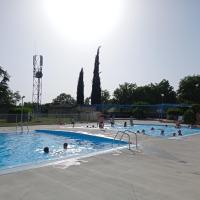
46,149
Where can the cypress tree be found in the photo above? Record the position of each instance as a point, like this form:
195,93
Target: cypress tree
80,89
96,84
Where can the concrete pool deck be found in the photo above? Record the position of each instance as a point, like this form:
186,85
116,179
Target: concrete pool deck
163,169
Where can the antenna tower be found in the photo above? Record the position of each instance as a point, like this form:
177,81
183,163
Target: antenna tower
37,81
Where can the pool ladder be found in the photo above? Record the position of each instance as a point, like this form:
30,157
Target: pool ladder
21,125
126,132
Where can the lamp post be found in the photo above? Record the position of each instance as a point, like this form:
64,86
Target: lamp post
162,95
22,107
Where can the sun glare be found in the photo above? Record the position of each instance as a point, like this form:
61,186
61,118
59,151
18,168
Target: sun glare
85,20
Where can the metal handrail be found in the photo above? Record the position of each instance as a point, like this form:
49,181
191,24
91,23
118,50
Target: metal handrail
27,127
136,139
123,132
118,133
22,127
129,139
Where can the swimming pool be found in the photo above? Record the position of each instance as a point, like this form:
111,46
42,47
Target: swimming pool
168,129
20,149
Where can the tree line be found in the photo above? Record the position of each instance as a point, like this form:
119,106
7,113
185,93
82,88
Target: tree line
7,96
127,93
153,93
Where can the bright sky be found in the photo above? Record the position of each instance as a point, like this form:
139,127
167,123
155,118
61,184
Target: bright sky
142,41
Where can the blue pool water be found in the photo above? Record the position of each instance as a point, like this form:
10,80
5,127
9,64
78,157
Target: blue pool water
168,130
18,149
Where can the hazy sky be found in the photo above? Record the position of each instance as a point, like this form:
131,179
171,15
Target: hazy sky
142,41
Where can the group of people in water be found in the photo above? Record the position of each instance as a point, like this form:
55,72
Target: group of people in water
46,149
179,133
162,132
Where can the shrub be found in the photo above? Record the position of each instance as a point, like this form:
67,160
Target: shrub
15,114
138,113
189,117
196,108
17,110
173,113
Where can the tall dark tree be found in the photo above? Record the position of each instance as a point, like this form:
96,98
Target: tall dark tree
96,84
5,92
80,89
189,89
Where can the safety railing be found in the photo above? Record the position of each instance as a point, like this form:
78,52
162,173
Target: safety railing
123,133
136,139
21,126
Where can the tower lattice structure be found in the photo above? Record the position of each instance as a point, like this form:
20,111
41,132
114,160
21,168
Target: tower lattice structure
37,81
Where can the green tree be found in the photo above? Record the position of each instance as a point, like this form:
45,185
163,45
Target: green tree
105,96
87,101
125,93
5,92
80,89
16,97
167,90
146,94
63,99
96,84
156,93
189,89
129,93
7,97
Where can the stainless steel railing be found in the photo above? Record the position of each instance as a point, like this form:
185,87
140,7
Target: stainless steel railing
123,133
136,139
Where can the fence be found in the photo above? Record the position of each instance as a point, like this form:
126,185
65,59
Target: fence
91,114
45,119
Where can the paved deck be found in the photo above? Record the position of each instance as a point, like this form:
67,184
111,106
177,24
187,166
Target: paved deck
164,170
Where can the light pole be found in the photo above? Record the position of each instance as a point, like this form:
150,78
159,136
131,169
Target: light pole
162,95
22,106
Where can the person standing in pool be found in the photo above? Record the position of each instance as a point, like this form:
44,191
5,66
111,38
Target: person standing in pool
73,122
112,121
162,132
131,121
101,121
65,145
179,133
